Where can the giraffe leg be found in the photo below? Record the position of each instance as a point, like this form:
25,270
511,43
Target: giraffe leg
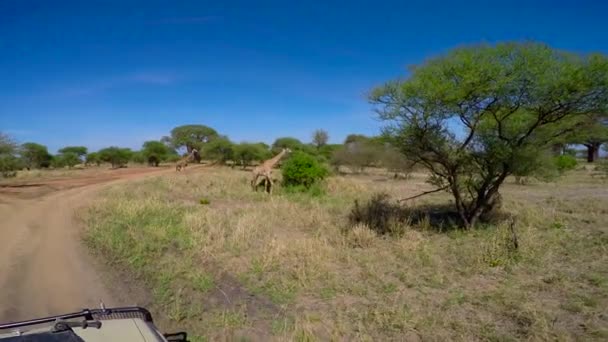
254,182
269,185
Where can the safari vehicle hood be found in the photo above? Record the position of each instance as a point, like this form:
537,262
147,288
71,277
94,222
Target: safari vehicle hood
132,324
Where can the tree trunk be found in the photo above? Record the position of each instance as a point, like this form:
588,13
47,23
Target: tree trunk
557,149
593,152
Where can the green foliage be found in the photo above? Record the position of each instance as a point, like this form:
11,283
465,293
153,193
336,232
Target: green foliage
191,136
320,138
93,158
69,156
154,152
9,162
80,151
287,142
532,163
118,157
565,163
69,159
204,201
328,150
35,155
355,138
172,158
138,157
220,149
360,151
302,169
246,153
508,99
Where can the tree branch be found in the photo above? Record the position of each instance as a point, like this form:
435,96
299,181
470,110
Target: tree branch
423,194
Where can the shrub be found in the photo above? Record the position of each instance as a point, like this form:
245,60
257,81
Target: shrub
361,236
9,165
380,215
565,162
303,170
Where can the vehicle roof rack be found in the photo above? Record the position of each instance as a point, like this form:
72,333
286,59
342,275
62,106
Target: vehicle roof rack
88,314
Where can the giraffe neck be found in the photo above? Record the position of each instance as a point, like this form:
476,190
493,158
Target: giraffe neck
275,159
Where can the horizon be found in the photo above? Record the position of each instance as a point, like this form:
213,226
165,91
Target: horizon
120,74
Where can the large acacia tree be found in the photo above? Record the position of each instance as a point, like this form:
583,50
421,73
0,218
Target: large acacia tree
471,115
191,136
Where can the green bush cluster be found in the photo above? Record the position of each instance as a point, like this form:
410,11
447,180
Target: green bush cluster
303,170
565,162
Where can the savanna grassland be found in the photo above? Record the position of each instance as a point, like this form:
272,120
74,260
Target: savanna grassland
223,262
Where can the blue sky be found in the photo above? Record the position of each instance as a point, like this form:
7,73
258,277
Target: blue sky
103,73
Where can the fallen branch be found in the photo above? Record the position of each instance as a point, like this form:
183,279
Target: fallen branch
422,194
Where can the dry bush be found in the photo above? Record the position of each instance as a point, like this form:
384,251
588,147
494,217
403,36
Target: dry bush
361,236
380,215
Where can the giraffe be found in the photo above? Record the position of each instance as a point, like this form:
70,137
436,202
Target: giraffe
182,163
264,170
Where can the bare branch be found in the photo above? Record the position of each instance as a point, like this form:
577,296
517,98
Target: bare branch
423,194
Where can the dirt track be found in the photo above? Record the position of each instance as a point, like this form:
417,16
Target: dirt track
44,269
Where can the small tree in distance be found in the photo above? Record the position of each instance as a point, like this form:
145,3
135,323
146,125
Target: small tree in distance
246,153
118,157
9,162
320,138
69,159
93,158
80,151
511,99
35,155
155,152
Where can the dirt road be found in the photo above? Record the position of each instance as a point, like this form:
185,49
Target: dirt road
44,269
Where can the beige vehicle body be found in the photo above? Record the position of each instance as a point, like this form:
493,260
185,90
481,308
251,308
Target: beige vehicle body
121,324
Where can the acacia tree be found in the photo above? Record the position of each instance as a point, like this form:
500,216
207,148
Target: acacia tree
245,153
510,100
220,149
155,152
116,156
80,151
287,142
35,155
320,137
191,136
592,135
9,162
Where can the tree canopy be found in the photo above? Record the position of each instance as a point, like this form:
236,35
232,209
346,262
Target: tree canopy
287,142
191,136
9,162
80,151
35,155
511,99
320,138
246,153
592,134
116,156
155,152
69,159
220,149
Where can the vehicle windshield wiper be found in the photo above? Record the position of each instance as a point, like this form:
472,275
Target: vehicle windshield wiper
62,325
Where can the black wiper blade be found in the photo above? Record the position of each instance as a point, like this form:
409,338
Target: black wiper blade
61,325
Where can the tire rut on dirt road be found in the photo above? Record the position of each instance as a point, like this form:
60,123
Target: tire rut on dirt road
44,268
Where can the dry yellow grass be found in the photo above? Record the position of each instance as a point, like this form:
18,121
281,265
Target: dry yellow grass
283,268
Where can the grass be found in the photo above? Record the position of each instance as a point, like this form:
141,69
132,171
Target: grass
247,265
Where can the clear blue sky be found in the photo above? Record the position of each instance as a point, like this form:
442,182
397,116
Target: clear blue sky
103,73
